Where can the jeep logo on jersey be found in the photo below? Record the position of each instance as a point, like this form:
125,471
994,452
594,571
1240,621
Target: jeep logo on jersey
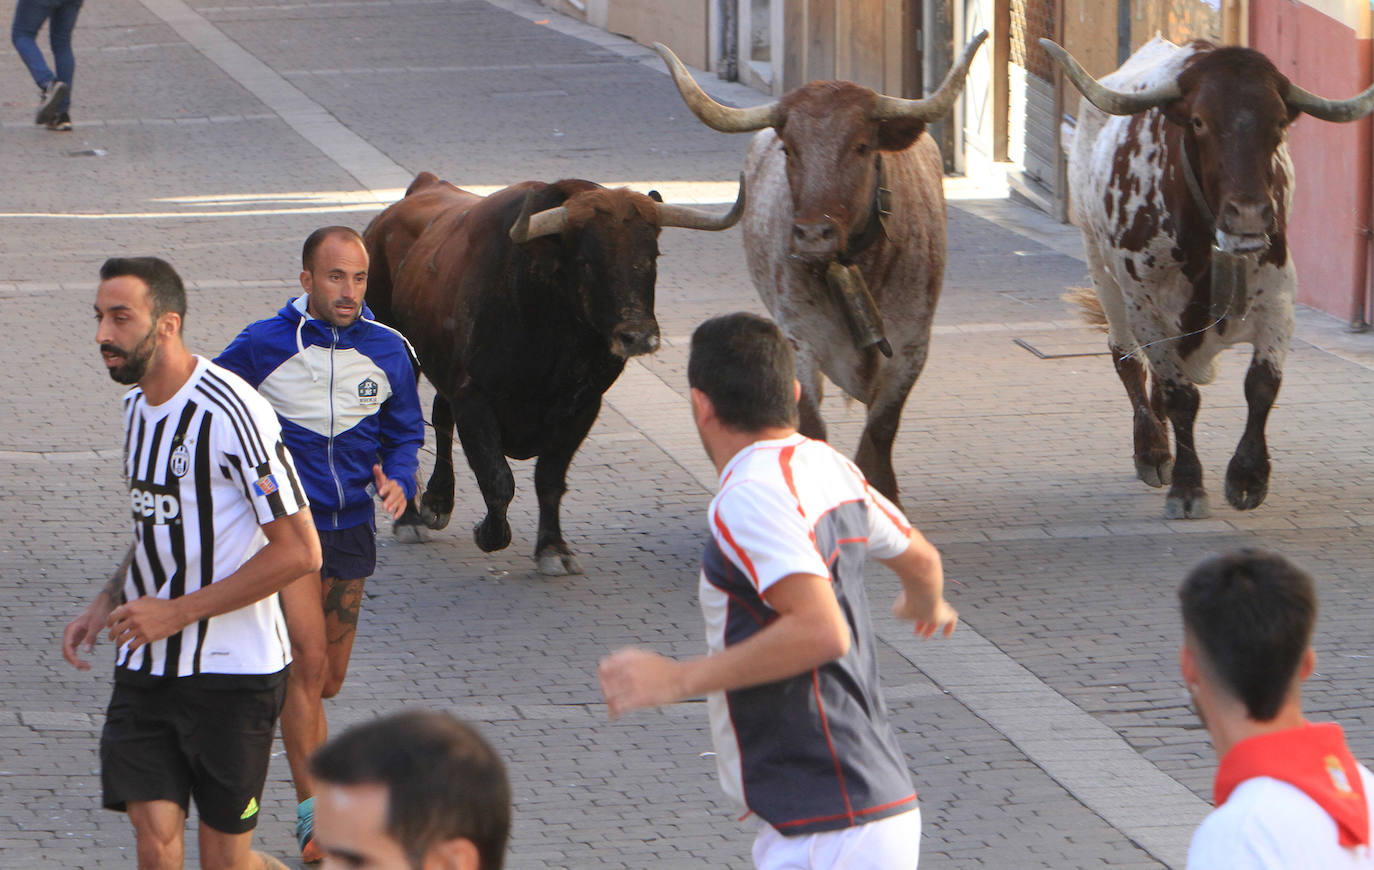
367,392
157,503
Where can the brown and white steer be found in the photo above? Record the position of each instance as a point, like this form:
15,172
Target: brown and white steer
845,238
1181,182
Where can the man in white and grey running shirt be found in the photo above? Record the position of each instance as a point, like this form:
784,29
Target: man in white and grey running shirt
797,714
220,525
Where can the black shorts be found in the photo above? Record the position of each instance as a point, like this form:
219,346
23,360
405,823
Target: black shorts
180,740
349,554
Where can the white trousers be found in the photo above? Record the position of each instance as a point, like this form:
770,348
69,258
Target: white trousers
893,843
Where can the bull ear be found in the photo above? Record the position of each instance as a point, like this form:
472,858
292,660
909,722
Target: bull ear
1178,112
655,196
899,134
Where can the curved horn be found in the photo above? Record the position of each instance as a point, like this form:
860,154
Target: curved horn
695,219
1339,111
1110,101
726,119
531,226
938,104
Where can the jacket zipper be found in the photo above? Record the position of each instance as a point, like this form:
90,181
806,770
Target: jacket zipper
333,472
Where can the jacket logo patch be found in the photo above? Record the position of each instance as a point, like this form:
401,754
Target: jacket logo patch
265,486
367,392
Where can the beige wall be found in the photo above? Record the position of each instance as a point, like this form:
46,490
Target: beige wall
679,24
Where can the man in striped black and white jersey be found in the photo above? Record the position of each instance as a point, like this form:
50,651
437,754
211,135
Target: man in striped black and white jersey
797,713
220,525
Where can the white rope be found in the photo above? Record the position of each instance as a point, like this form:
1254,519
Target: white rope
1244,314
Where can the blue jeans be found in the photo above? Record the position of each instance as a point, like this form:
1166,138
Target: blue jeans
29,16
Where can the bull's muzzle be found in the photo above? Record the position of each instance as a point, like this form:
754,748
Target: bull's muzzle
816,240
1247,223
634,338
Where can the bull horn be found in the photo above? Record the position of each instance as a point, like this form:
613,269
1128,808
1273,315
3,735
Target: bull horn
1110,101
938,104
726,119
528,226
696,219
1339,111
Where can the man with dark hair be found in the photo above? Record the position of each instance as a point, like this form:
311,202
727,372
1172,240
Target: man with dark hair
164,285
1288,792
414,791
797,714
344,388
220,525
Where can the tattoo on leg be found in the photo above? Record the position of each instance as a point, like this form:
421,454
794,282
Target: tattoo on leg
342,600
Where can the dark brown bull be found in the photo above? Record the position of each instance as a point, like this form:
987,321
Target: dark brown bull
1181,182
523,307
845,238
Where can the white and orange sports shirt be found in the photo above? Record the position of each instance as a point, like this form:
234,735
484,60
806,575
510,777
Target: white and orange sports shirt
814,752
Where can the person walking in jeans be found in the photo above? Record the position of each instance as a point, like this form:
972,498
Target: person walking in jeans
29,16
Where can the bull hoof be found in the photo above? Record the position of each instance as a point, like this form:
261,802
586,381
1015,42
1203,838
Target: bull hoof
1187,506
491,535
433,519
407,526
558,564
410,533
1155,472
1246,487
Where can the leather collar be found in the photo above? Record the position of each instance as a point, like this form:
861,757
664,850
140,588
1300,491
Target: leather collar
1195,185
878,213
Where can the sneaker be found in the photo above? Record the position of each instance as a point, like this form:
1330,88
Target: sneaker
62,123
47,104
305,832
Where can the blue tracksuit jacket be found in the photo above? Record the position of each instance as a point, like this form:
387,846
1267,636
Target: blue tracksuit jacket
346,399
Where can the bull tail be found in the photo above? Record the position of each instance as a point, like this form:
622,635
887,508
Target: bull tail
1089,306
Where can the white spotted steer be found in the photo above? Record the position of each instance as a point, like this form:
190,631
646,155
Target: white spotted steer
1181,183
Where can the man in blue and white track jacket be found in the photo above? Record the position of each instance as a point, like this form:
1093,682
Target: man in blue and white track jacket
344,388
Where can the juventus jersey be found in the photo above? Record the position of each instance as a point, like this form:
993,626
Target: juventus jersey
206,469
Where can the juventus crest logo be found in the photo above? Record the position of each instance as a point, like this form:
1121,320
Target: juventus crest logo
181,461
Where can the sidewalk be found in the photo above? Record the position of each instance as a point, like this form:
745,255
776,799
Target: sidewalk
1050,732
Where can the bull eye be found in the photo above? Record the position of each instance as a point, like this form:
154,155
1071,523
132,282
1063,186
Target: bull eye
862,149
1197,124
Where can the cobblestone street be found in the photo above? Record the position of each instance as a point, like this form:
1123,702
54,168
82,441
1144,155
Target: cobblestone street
1052,730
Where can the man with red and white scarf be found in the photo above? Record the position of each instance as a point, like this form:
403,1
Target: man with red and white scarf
1288,792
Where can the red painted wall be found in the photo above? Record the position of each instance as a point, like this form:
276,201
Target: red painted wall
1330,217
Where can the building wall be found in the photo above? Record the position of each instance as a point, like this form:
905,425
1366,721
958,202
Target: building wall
862,41
679,24
1178,20
1031,141
1325,48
